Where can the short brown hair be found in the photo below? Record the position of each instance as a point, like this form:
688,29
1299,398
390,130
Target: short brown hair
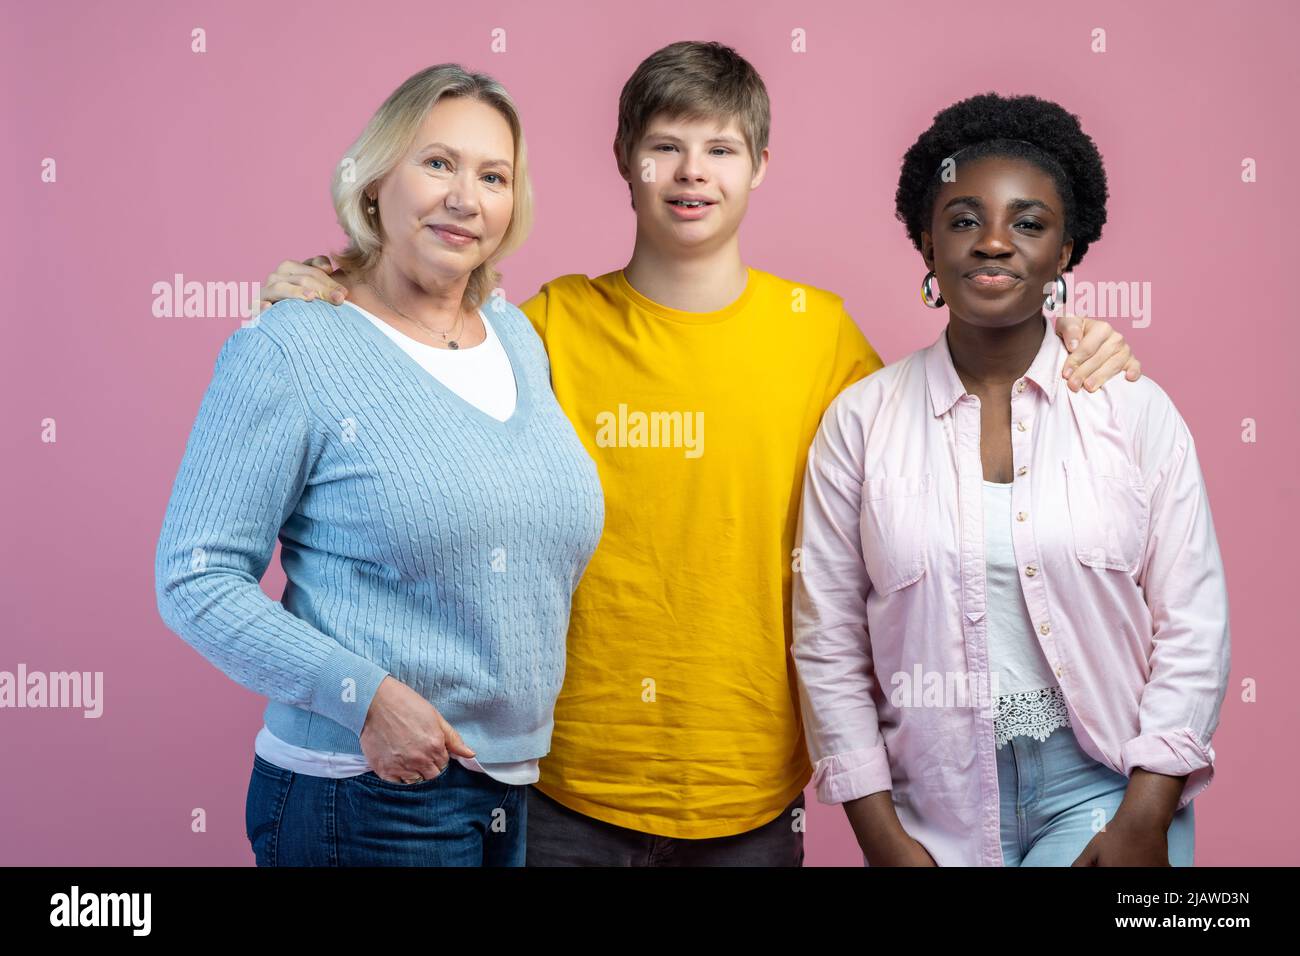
694,80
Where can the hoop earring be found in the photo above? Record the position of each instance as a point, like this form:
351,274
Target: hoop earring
931,300
1056,298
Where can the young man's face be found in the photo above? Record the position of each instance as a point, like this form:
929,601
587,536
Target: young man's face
691,181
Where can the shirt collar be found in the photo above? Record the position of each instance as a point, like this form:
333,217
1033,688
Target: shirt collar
946,387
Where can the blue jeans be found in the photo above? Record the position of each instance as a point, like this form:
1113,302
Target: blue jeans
459,818
1055,798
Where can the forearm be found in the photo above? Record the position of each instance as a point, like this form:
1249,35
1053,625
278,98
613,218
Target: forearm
1152,798
255,642
875,824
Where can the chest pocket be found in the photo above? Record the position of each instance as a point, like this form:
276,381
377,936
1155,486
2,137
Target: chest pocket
1109,514
894,526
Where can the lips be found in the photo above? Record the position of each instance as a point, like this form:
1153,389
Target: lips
454,235
993,278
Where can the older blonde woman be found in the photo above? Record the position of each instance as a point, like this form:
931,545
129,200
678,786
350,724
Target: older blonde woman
435,508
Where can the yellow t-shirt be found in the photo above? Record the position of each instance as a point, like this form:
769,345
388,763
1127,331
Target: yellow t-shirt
679,715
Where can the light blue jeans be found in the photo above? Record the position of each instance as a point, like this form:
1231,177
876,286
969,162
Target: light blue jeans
1055,797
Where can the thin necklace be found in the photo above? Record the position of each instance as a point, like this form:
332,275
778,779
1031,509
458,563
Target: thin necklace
452,344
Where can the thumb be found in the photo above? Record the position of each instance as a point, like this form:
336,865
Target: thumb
454,742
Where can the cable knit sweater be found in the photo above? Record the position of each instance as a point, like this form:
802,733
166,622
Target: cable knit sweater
420,537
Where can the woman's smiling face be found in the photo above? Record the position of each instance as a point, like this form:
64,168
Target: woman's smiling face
996,240
447,204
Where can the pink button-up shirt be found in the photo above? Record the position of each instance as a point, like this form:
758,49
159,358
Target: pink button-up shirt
1119,568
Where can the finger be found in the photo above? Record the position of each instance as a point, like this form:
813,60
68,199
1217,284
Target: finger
1106,371
398,773
318,284
1070,329
429,769
1090,370
287,269
454,741
1094,332
283,289
436,752
335,290
315,278
308,286
1097,346
1133,370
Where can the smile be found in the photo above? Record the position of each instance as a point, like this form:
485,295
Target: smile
451,238
689,209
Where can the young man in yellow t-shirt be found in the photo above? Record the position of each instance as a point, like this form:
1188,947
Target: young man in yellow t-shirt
697,384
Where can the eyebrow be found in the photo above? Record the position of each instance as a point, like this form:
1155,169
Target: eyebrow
1015,205
657,134
455,154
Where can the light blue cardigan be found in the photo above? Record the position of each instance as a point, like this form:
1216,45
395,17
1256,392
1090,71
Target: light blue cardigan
420,536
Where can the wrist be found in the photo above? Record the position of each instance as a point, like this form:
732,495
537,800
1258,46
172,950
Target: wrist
875,824
1150,799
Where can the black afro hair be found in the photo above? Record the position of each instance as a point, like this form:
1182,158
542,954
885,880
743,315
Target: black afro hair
1024,127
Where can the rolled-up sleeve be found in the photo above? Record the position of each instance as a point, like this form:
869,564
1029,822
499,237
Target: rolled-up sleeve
831,647
243,472
1182,578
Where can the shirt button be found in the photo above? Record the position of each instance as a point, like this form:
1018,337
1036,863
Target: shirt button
1021,516
1045,629
1022,469
1020,426
1058,672
1030,570
1020,385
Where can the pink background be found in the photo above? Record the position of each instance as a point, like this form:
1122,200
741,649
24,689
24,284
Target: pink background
217,166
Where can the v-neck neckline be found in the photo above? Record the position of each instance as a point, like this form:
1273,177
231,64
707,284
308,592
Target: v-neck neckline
523,387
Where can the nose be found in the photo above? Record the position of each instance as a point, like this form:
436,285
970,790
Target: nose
993,242
690,168
462,196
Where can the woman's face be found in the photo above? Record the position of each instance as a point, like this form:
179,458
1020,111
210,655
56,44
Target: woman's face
996,241
446,205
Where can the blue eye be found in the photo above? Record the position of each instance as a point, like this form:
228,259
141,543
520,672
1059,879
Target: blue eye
436,160
500,181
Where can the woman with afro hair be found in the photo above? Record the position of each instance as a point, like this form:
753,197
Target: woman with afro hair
1010,621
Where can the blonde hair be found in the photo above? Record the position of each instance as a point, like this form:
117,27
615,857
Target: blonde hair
387,138
694,80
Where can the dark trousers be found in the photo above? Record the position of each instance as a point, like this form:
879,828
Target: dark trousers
558,836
